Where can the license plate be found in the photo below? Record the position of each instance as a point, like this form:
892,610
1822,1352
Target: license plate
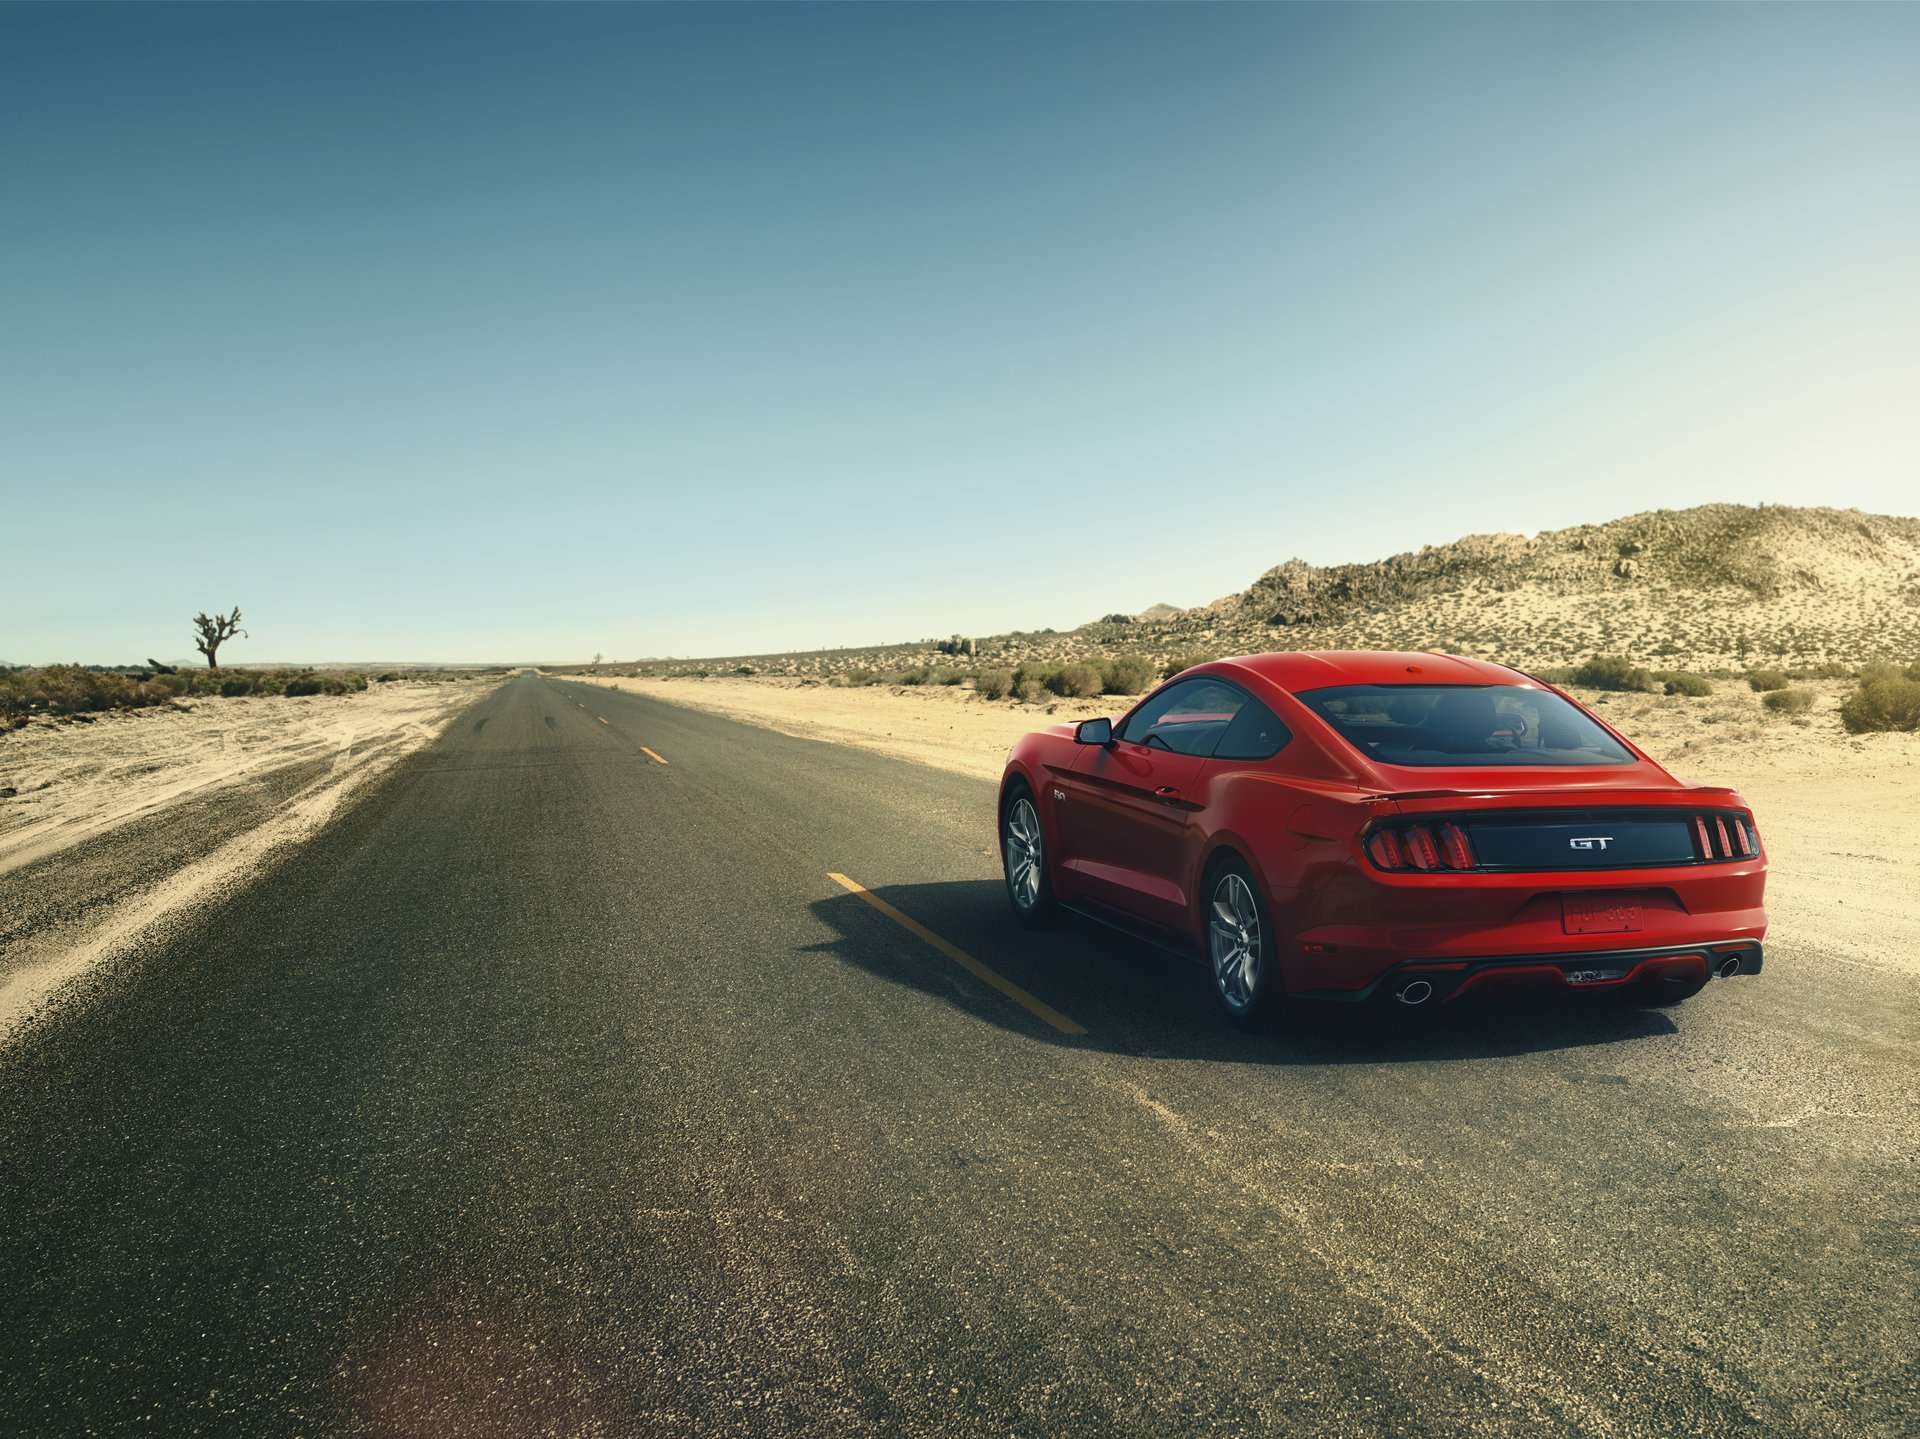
1602,913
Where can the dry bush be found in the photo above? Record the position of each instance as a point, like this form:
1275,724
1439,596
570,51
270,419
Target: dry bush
1889,703
993,684
74,689
1612,672
1678,682
1128,675
1792,702
1186,662
1885,670
1076,681
1766,681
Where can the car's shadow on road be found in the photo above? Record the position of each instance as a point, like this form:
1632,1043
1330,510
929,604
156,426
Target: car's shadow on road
1136,999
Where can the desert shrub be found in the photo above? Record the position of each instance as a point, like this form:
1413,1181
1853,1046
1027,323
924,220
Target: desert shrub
303,685
1678,682
1612,672
172,684
1076,681
1128,675
911,677
1031,670
862,677
1030,691
1888,703
994,684
945,676
236,685
1186,662
389,677
743,669
1885,670
1791,702
1766,680
74,689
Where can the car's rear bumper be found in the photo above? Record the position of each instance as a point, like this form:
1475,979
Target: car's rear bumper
1678,967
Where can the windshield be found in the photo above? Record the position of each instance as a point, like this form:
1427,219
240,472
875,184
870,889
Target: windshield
1465,725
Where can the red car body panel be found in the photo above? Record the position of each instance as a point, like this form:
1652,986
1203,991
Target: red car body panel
1130,833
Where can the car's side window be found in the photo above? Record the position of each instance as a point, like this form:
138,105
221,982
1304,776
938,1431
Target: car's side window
1186,718
1256,733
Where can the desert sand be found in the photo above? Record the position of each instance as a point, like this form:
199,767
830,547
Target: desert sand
1835,810
114,826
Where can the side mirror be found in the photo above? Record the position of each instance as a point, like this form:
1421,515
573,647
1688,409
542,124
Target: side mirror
1093,731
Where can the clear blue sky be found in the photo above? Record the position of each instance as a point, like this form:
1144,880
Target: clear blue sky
437,332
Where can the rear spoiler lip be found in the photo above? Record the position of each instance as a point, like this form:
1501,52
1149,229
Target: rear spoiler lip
1624,797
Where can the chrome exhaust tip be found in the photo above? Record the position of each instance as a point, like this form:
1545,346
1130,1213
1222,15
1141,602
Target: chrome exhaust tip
1728,967
1414,991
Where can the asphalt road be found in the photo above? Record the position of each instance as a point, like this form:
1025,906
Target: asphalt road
556,1089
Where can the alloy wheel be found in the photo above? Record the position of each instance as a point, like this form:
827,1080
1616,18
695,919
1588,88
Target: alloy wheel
1233,939
1023,853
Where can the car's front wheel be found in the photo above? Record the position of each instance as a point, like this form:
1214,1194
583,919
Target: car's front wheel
1241,948
1023,856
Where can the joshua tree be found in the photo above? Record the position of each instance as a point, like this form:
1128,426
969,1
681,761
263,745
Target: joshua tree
215,631
596,664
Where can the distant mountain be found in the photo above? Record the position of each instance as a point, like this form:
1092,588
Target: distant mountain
1718,586
1715,585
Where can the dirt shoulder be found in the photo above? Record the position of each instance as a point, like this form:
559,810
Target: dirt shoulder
1835,809
111,828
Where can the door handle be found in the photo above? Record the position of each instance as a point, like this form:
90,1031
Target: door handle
1167,791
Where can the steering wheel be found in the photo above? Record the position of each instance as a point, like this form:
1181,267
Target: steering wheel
1513,726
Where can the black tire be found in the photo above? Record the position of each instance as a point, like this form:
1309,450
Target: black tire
1023,858
1243,961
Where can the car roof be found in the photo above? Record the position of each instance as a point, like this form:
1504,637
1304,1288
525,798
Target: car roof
1298,670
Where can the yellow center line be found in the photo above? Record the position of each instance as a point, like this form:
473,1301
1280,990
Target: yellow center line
603,720
651,755
1036,1007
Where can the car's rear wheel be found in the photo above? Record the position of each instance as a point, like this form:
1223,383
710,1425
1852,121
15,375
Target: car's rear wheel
1241,948
1023,857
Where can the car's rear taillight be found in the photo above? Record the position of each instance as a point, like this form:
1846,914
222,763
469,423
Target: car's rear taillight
1386,851
1453,845
1725,836
1421,848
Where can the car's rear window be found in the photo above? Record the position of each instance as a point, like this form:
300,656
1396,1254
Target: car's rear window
1464,725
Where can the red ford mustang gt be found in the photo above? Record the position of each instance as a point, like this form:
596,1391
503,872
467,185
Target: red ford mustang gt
1402,827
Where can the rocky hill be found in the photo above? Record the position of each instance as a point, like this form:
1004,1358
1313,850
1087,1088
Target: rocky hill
1716,587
